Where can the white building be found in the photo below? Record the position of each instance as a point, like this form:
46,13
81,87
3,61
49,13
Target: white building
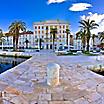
8,42
42,34
26,40
42,31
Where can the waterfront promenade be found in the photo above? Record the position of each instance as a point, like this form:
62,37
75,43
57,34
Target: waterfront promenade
26,83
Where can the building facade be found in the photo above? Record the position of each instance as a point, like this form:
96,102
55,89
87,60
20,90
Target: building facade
44,37
26,40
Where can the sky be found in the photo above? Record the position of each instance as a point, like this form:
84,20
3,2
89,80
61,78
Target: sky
30,11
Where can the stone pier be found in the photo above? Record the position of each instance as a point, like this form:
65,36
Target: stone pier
26,84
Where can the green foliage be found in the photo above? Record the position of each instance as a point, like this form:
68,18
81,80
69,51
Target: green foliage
87,25
67,33
53,31
15,29
87,53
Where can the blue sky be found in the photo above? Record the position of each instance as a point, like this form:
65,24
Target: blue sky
31,11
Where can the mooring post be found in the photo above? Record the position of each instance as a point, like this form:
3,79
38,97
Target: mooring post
53,74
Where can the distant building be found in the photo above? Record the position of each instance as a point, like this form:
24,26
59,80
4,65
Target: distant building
42,31
26,40
42,35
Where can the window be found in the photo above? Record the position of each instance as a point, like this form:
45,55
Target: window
35,32
29,36
55,26
42,27
60,27
35,27
63,36
59,40
38,27
63,31
38,32
63,27
35,36
42,32
42,36
60,31
46,27
60,36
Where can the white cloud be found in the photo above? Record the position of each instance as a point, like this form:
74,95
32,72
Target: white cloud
80,7
55,1
99,19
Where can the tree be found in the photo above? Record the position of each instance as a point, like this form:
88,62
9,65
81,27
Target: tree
67,35
101,36
53,31
82,34
15,29
88,25
71,39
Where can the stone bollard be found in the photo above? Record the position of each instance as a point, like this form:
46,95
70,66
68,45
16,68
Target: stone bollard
53,74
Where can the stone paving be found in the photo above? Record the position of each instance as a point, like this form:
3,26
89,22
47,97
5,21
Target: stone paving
26,84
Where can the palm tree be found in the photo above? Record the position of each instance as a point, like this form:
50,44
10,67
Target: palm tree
53,31
67,35
101,36
15,29
71,39
82,34
88,25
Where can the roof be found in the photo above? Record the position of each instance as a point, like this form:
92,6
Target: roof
51,22
22,33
